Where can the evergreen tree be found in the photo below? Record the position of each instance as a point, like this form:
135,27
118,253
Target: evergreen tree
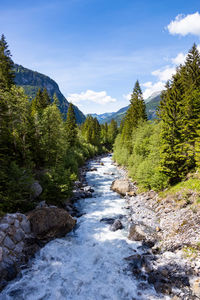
180,115
112,132
6,65
135,114
173,163
191,69
71,127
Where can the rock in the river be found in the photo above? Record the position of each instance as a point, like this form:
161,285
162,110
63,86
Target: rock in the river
108,220
88,189
116,225
142,233
121,186
48,223
36,190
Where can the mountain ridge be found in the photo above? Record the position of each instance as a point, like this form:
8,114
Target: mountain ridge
31,81
151,106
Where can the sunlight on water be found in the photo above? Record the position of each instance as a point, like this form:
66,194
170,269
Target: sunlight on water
88,263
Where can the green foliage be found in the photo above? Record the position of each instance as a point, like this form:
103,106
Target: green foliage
144,161
135,114
91,131
36,143
180,115
6,65
71,128
58,184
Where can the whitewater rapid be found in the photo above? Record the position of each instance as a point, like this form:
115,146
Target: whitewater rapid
87,264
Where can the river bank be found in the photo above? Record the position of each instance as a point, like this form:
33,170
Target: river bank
22,235
170,231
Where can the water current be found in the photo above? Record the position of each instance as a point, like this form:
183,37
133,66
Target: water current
87,264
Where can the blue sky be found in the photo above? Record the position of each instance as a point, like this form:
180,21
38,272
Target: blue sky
96,49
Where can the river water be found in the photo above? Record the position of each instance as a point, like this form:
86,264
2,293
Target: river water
88,264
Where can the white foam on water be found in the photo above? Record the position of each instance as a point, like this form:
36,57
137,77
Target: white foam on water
88,264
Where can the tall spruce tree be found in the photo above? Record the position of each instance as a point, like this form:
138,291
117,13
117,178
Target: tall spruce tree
6,66
172,162
71,127
180,115
135,114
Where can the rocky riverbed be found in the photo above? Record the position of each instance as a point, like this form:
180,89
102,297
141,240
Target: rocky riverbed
170,236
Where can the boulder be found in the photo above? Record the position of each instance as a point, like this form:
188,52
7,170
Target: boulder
36,190
142,233
108,220
88,189
116,225
50,222
121,186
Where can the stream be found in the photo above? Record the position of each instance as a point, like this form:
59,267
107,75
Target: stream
87,264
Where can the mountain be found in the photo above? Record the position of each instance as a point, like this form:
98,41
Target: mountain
31,81
151,107
102,117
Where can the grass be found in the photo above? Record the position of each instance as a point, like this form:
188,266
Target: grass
192,184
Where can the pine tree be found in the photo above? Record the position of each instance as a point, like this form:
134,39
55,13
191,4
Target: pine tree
173,163
191,69
6,65
71,127
135,114
112,132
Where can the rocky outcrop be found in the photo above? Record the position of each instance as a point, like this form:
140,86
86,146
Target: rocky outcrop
50,222
170,230
15,235
21,236
123,187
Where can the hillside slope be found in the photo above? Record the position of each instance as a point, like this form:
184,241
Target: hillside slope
151,107
31,81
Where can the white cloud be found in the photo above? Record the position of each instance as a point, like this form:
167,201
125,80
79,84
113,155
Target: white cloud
184,25
91,96
164,74
152,88
127,96
179,59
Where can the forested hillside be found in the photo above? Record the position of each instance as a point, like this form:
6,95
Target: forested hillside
31,81
151,108
162,153
38,146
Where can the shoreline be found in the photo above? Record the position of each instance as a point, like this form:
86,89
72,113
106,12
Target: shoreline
170,260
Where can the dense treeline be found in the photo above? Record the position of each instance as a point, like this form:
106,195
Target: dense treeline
38,144
162,153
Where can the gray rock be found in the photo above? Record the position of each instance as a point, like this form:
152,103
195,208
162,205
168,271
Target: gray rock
137,233
88,189
116,225
36,190
9,219
2,236
107,220
19,235
19,247
8,243
16,224
4,227
25,224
